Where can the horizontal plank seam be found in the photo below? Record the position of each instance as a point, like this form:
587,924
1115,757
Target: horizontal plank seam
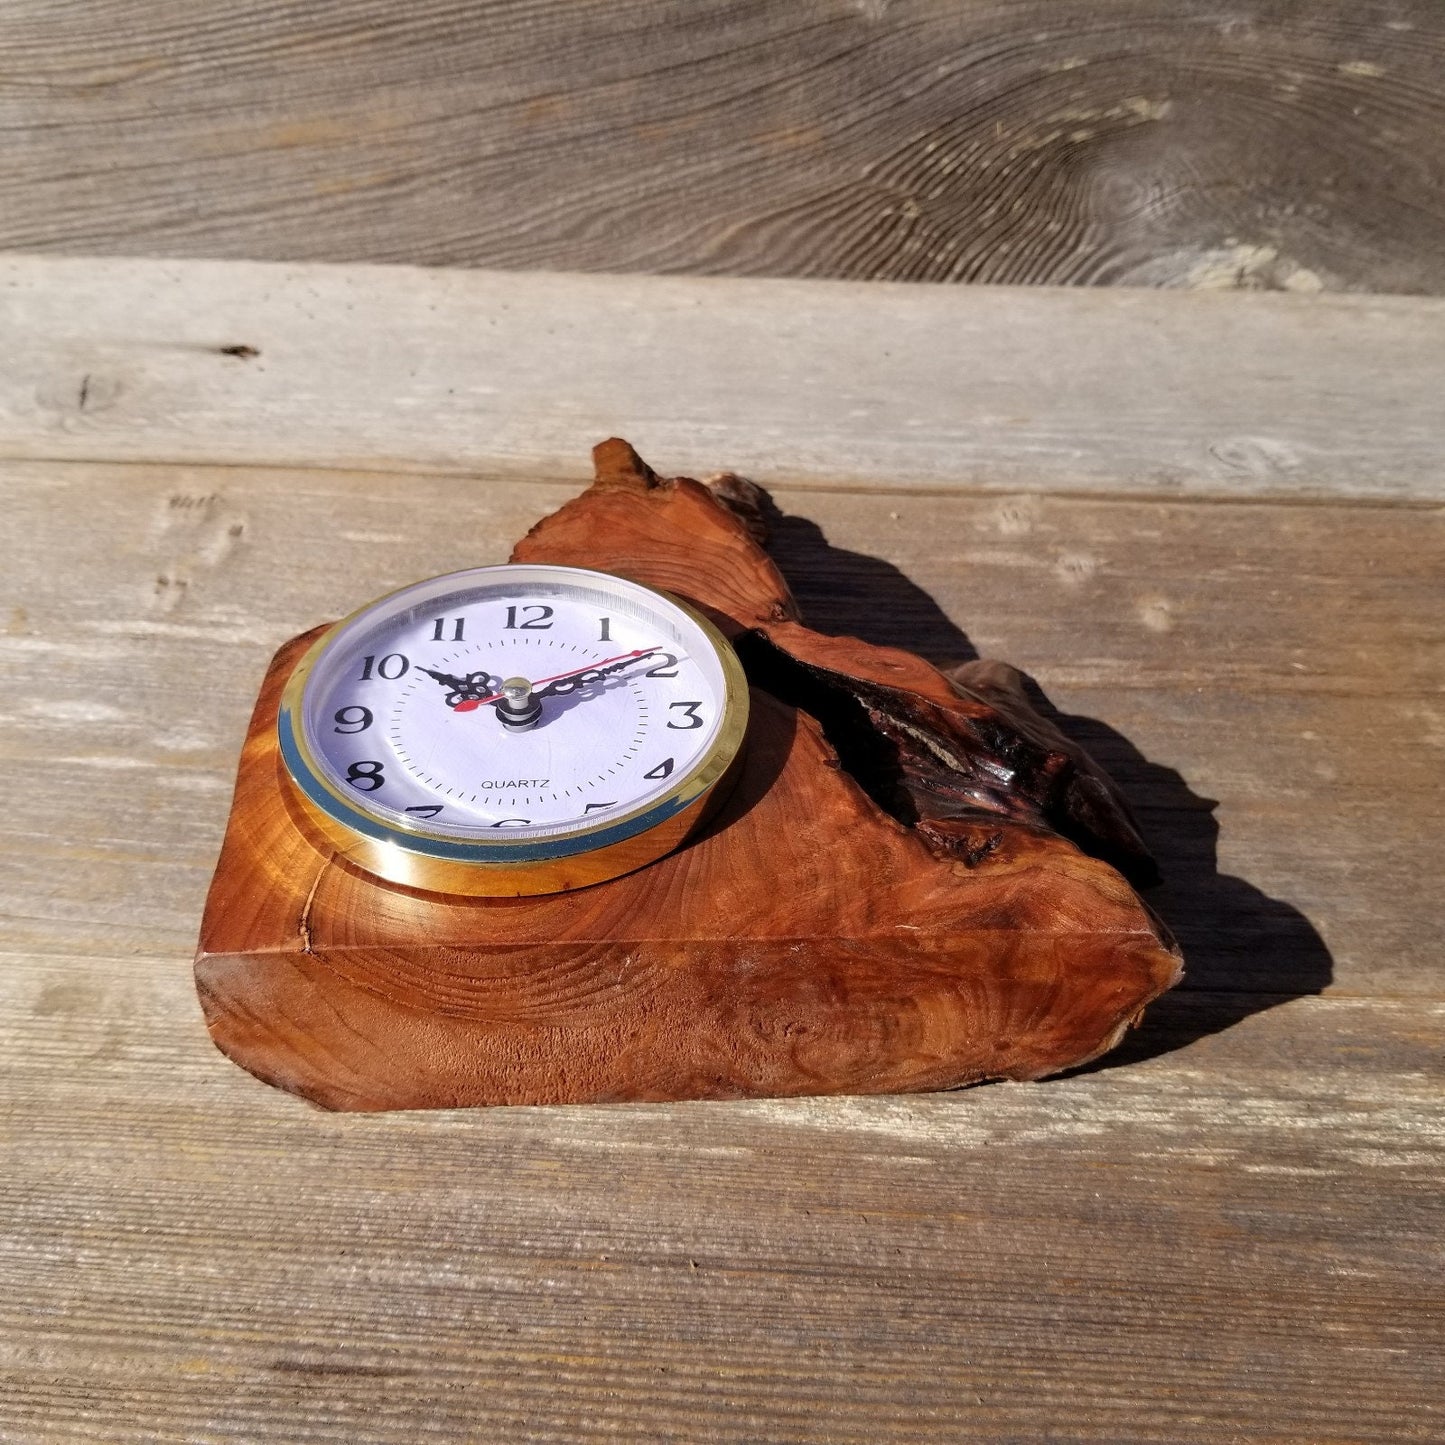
784,482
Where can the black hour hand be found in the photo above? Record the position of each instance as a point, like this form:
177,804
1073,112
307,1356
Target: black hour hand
472,688
445,678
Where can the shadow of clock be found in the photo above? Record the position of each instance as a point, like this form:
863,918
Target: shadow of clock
1244,952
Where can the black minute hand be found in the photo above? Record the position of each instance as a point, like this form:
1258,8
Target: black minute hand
570,682
563,682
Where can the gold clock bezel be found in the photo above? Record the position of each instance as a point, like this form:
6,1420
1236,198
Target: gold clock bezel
412,855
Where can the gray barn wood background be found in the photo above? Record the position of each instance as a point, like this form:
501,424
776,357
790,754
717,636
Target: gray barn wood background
1272,144
1208,524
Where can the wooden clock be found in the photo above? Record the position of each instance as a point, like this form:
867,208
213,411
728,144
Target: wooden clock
610,823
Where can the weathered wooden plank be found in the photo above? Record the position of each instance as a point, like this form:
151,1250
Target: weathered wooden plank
1117,140
1230,1231
1235,1240
1265,680
806,382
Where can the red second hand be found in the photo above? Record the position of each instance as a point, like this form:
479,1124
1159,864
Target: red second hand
472,703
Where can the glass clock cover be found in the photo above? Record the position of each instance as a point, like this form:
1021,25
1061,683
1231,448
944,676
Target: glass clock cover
510,716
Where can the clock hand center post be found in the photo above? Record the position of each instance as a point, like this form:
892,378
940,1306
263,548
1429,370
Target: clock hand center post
518,707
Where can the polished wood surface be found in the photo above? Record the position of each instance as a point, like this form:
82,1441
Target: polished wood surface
1229,1230
884,902
1137,142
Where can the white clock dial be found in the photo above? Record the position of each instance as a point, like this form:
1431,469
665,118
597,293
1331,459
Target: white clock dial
513,712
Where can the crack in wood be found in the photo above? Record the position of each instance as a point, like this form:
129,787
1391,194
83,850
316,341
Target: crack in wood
304,923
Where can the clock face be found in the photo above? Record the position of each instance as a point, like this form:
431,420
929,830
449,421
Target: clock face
512,713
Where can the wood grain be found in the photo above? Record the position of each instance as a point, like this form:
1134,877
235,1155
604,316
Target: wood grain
1114,141
856,917
901,387
1232,1235
1229,1233
1235,1241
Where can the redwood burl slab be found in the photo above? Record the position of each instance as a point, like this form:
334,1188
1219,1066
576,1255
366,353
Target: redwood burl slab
912,886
